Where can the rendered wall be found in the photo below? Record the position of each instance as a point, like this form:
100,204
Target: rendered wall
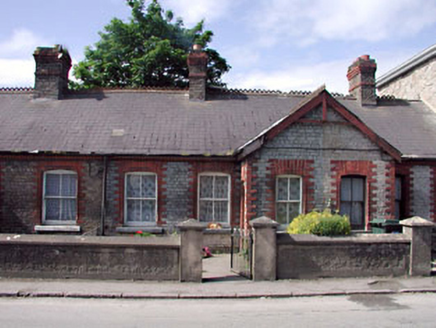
417,84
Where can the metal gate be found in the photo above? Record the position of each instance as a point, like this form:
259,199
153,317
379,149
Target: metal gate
241,259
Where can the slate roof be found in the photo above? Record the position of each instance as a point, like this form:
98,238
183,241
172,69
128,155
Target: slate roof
146,122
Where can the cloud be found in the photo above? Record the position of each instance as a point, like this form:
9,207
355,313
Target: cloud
17,66
305,77
308,21
17,72
194,11
311,75
21,44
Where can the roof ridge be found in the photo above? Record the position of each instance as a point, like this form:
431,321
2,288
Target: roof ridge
16,89
128,88
271,92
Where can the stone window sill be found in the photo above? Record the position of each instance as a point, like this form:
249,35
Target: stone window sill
129,230
57,228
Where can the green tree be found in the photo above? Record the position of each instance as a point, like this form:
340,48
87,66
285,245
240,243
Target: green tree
148,50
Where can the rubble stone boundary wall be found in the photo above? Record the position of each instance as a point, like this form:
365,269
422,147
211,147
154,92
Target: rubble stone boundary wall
43,256
176,258
308,256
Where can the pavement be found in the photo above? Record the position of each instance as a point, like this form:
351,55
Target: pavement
218,282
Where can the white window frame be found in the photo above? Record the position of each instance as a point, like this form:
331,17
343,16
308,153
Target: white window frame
289,176
44,197
140,223
213,199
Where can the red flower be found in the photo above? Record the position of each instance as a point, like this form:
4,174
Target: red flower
139,232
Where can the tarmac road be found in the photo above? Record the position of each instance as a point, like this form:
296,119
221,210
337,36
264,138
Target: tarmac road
399,310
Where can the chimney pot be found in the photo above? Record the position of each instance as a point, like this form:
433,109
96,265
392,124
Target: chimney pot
197,47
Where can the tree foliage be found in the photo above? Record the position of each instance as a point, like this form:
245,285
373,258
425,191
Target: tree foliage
150,49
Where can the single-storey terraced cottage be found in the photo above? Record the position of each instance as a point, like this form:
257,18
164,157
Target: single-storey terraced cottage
115,161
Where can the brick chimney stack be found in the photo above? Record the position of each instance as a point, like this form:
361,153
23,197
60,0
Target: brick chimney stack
197,65
51,73
361,78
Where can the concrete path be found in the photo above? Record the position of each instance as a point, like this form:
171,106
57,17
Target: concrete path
219,282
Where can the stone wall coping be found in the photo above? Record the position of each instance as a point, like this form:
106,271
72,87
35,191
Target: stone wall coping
263,222
191,224
151,229
222,231
58,240
287,239
417,221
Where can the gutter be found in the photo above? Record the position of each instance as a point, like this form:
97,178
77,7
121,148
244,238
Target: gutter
407,66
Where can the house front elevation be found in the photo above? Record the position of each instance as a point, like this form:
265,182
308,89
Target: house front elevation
113,161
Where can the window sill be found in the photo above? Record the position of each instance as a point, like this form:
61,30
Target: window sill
57,228
220,231
156,230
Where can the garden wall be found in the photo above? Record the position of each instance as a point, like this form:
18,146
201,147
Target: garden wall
309,256
43,256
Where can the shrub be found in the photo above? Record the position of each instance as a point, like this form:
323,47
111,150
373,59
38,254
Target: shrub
320,223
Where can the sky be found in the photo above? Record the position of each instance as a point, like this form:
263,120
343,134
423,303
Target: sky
270,44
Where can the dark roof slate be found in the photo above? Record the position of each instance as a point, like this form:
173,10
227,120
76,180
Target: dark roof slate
146,122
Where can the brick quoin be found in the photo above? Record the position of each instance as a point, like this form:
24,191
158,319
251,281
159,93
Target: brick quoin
1,191
248,206
432,194
390,190
403,170
128,166
77,166
302,168
359,168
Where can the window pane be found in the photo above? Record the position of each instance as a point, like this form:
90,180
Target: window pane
206,183
133,185
358,189
221,211
68,185
346,189
148,211
281,213
282,189
397,210
294,211
398,187
206,211
148,185
133,210
294,189
52,184
52,209
68,210
357,214
346,209
221,187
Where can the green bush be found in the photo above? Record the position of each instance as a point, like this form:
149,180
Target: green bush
320,223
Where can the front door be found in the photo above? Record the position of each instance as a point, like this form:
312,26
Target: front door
353,200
